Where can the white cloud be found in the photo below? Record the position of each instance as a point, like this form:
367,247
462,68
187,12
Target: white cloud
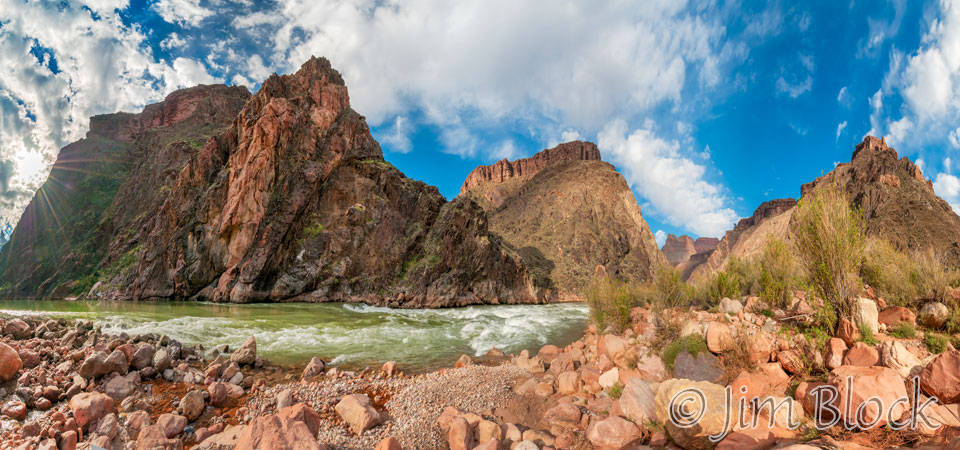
955,138
948,188
843,96
506,150
570,135
186,13
840,127
173,41
661,238
398,140
672,183
897,131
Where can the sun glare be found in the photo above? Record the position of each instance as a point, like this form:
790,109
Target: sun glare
31,166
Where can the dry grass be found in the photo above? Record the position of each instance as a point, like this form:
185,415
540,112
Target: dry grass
610,301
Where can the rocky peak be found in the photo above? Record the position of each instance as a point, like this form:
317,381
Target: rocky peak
705,244
178,106
765,211
678,249
873,162
527,167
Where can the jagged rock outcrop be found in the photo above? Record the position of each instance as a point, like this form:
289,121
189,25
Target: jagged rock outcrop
680,249
565,213
93,207
284,197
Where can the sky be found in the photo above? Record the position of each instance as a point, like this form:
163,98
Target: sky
707,108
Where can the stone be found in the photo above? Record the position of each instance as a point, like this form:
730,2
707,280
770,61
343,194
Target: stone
612,345
246,355
121,386
674,393
638,402
941,377
192,405
460,435
895,315
285,399
357,412
314,367
895,355
613,433
791,361
719,338
17,328
548,353
153,438
274,432
10,363
446,417
108,426
609,378
568,383
847,331
730,306
834,351
389,369
703,367
391,443
89,407
142,356
865,314
881,382
303,413
136,421
759,347
172,424
161,360
224,440
14,410
487,431
68,440
861,355
933,314
562,417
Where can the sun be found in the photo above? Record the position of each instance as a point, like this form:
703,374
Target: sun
31,166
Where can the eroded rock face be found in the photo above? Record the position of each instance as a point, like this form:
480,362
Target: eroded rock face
504,170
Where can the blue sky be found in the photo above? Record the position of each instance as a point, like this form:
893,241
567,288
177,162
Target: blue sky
707,108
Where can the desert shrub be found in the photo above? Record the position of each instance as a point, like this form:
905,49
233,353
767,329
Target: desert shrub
829,243
936,343
905,278
866,335
616,390
610,301
778,273
738,278
904,330
668,289
693,344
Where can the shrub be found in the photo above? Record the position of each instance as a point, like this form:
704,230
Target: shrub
616,390
778,273
669,290
610,301
866,335
936,343
829,243
738,278
904,278
693,344
904,330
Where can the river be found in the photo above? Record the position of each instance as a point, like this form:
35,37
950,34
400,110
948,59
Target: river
350,335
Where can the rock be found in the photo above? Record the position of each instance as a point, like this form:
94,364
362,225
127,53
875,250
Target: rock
613,433
673,392
881,382
759,346
391,443
136,421
67,441
847,331
119,387
172,424
865,315
894,355
29,358
488,431
357,412
609,378
562,417
108,426
933,314
791,361
275,432
17,328
568,383
142,356
895,315
225,440
638,402
303,413
612,346
941,377
834,350
730,306
246,355
218,393
463,361
161,360
14,410
10,363
89,407
703,367
719,338
548,353
285,399
192,405
389,369
460,435
152,437
861,355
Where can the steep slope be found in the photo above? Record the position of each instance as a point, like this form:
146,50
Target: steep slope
566,213
295,202
897,203
88,210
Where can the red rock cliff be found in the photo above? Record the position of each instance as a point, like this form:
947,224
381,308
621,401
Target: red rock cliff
527,167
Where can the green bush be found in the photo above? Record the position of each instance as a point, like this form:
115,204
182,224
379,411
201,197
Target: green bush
616,390
936,343
905,278
829,243
904,330
668,289
610,301
866,335
778,273
693,344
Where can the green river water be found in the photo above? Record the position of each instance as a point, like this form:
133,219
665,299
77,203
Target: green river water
351,335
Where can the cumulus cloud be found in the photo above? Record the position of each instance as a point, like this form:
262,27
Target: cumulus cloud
398,139
674,185
186,13
948,188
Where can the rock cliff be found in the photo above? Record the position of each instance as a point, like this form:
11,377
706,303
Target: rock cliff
566,213
680,249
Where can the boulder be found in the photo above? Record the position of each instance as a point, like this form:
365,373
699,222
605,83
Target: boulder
192,405
638,402
10,363
895,355
703,367
759,347
730,306
562,417
834,350
861,355
172,424
390,443
609,378
874,381
865,314
548,353
303,413
121,386
225,440
679,393
791,361
488,431
612,345
142,356
613,433
460,435
17,328
568,383
895,315
933,314
719,338
14,410
389,369
941,377
154,438
357,412
218,393
463,361
275,432
161,360
29,358
247,353
314,367
89,407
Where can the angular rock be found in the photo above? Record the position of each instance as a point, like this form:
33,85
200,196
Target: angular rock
834,350
861,355
719,338
933,314
791,361
275,432
941,377
895,315
89,407
171,424
357,412
247,353
568,383
303,413
673,392
638,402
192,405
460,435
730,306
895,355
881,382
865,315
703,367
613,433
